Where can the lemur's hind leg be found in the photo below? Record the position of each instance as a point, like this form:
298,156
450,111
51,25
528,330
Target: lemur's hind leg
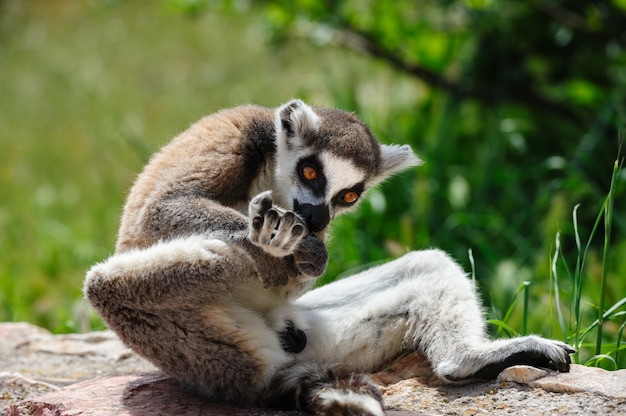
422,301
170,303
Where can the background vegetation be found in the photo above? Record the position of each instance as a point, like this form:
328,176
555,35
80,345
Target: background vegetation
517,107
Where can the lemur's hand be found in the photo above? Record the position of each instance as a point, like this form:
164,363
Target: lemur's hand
274,229
281,233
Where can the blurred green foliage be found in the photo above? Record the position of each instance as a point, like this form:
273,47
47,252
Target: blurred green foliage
518,109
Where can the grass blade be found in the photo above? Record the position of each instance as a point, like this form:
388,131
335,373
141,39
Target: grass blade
471,260
607,316
526,285
618,345
503,326
598,358
579,278
608,220
554,277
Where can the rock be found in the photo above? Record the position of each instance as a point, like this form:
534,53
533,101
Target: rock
518,390
94,374
611,384
14,334
64,359
33,361
412,366
14,387
522,374
132,394
497,399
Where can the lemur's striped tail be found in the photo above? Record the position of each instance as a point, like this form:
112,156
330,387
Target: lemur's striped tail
325,390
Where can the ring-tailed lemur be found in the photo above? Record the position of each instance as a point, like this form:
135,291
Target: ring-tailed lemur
221,239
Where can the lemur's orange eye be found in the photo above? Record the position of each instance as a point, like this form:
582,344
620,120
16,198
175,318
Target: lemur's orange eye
309,173
350,197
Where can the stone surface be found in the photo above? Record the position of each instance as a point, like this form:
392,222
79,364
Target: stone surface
134,394
14,387
94,374
33,361
522,374
611,384
413,366
64,359
497,399
126,395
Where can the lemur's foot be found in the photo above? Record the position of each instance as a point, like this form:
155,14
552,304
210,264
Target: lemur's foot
292,339
352,395
275,230
531,350
325,390
557,355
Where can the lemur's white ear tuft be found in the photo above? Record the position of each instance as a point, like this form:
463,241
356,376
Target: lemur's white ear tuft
295,120
395,159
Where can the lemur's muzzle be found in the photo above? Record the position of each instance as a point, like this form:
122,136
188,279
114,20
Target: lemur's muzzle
316,217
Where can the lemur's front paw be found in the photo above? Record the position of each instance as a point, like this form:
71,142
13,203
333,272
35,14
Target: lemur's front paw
311,256
275,230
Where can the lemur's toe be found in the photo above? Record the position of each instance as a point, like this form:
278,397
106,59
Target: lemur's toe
292,339
560,366
563,363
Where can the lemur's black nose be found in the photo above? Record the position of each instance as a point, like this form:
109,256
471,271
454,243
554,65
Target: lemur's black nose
316,217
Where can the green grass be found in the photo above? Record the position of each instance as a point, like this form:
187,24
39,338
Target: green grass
605,352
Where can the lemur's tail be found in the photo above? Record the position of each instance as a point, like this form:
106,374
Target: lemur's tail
325,390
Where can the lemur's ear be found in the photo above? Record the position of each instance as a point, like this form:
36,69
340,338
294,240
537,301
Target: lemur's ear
294,120
395,159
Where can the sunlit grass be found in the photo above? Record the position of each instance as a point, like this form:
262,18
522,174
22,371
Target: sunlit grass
605,352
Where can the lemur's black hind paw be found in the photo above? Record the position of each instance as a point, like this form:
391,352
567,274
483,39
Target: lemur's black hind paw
531,350
292,339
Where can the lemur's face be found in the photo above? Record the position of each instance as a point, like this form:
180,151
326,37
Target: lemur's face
324,186
326,160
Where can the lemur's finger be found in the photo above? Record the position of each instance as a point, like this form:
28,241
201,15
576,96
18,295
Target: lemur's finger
272,219
289,233
257,223
265,203
292,225
260,204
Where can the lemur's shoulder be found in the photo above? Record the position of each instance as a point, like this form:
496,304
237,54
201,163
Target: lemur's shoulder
233,132
218,157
